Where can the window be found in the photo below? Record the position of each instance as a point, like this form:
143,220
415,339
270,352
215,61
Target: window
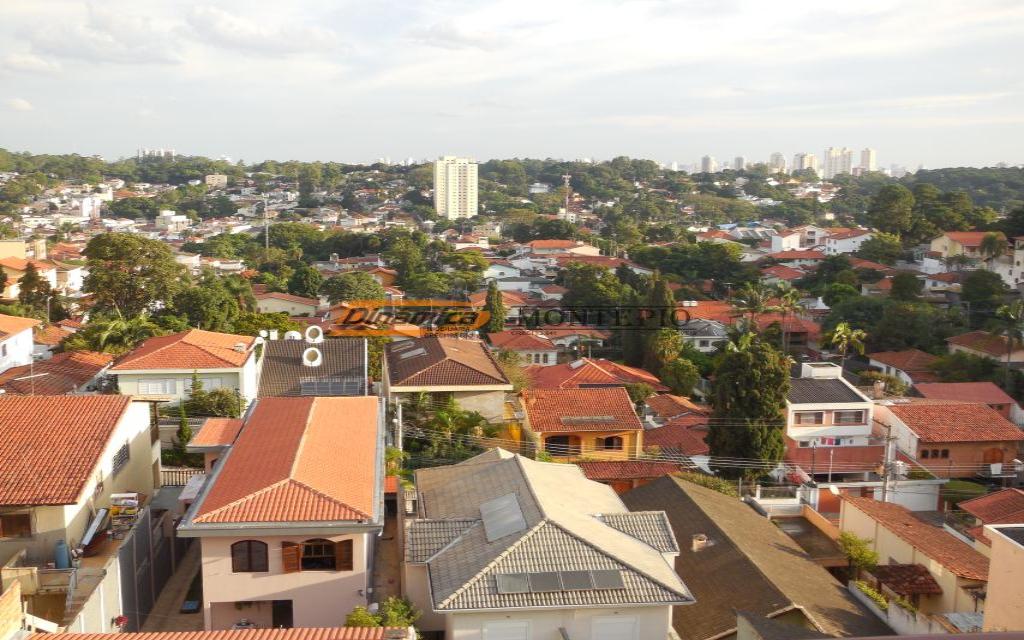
924,454
320,554
507,630
16,525
848,417
120,459
158,386
611,443
704,343
613,628
562,445
209,384
3,350
248,556
809,417
935,453
944,453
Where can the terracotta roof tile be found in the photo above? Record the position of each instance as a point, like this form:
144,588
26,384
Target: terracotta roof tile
683,435
611,470
982,341
979,392
589,372
782,272
287,297
907,579
50,445
517,340
580,410
51,336
63,373
436,361
797,254
949,551
194,349
967,238
217,432
939,421
15,324
667,406
1001,507
554,244
913,362
286,465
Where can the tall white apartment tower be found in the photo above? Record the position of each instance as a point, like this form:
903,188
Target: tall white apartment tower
708,164
837,161
739,163
777,162
455,187
867,160
803,161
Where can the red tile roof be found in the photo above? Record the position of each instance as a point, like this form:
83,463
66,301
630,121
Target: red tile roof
589,372
580,410
907,579
217,432
797,254
557,333
861,263
952,553
63,373
1001,507
978,392
20,264
296,633
847,234
193,349
914,362
967,238
940,421
666,405
983,341
519,340
683,435
611,470
10,325
51,335
554,244
782,272
295,461
50,445
287,297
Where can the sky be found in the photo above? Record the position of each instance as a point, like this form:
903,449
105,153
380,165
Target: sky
930,82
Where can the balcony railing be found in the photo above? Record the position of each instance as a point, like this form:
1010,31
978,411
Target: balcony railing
178,476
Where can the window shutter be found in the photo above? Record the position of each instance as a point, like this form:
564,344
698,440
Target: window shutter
291,557
343,555
16,525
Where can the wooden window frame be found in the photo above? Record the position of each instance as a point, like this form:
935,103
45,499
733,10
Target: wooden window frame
11,530
252,553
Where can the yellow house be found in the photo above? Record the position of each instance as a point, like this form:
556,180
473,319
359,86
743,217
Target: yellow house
1004,607
900,538
596,423
63,459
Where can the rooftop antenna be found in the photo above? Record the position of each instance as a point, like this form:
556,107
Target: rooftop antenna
566,178
266,225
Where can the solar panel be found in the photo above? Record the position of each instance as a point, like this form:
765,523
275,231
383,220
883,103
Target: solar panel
572,420
412,354
502,517
513,582
545,581
576,581
608,579
329,386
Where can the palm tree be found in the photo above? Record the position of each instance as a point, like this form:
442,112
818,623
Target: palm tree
993,246
788,302
114,335
1012,316
843,337
754,300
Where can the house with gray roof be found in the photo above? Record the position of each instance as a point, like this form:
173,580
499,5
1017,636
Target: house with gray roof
736,560
329,367
502,546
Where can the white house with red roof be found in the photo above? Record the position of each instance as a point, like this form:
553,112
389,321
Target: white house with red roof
16,342
532,347
557,247
798,257
162,367
279,302
288,519
846,241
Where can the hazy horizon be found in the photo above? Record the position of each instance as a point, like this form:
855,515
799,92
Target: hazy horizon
920,82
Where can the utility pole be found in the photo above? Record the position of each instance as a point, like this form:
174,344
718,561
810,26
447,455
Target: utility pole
886,462
566,178
266,225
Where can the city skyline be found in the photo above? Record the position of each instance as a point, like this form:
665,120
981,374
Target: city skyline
347,82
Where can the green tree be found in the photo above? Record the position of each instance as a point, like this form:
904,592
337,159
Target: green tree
129,274
993,246
787,302
843,338
354,285
34,292
984,292
837,293
207,305
681,376
662,348
1011,317
754,300
115,334
906,286
251,323
305,282
749,398
882,247
858,552
891,209
361,617
495,307
639,392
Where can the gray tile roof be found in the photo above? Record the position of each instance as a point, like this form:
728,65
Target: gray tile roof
342,372
651,527
424,538
749,565
821,391
564,528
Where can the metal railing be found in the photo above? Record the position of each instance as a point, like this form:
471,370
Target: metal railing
178,476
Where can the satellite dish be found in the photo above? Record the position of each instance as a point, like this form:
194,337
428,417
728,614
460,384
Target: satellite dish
292,335
312,357
264,333
314,334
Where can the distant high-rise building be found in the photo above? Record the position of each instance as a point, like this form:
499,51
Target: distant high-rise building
675,166
802,161
867,160
455,187
777,162
708,164
739,163
837,160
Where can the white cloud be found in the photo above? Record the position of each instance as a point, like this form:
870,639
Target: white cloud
108,36
28,62
449,35
216,27
18,104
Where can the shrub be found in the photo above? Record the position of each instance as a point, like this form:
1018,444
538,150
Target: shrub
858,552
870,592
710,482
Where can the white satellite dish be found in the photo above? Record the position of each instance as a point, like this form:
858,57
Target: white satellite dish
314,334
292,335
312,357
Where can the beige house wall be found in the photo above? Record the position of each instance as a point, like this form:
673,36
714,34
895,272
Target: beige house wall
648,622
1004,607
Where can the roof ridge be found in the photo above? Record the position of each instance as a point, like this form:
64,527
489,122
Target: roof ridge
302,439
328,498
246,498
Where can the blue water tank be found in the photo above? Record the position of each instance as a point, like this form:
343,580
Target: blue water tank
61,555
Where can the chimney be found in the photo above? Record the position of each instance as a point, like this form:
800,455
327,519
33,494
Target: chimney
878,390
240,347
700,542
